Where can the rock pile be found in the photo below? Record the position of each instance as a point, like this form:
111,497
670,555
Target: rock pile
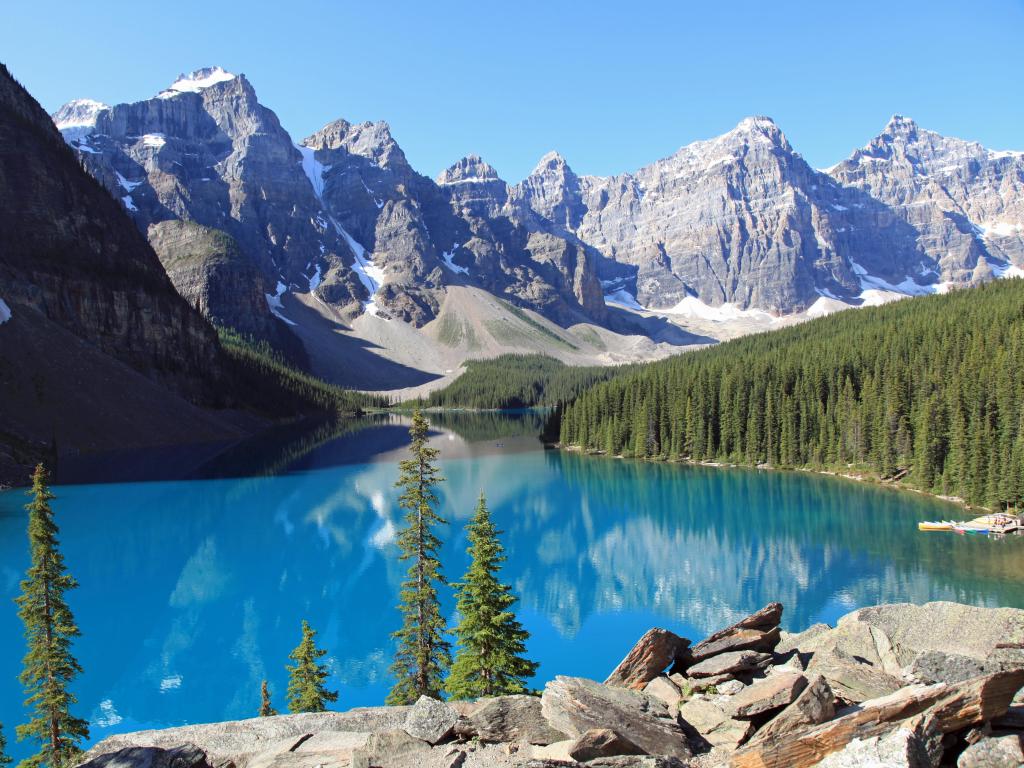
895,686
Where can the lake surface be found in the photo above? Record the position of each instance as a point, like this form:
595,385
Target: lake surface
192,591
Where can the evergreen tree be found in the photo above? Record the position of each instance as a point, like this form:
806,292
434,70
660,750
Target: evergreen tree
423,654
49,666
266,708
5,760
489,661
306,691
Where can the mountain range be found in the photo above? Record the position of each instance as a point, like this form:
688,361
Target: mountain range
337,251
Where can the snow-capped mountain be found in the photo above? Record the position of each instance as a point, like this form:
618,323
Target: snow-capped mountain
734,227
963,203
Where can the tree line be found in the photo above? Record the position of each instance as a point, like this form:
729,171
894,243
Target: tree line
517,381
928,391
489,659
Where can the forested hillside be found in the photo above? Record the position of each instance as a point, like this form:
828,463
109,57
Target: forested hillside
927,390
518,381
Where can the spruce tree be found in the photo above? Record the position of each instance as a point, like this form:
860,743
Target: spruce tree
49,666
4,758
489,660
306,690
423,655
266,708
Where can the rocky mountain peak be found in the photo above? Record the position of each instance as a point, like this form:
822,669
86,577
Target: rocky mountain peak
78,113
196,81
471,168
759,127
371,140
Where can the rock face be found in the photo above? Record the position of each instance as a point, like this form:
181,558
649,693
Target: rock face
573,706
78,280
602,742
964,203
652,655
206,151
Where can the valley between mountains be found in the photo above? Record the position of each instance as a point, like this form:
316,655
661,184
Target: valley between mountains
337,252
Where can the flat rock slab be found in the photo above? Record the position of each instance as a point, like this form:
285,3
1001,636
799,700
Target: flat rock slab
650,656
232,739
431,720
635,761
602,742
714,724
512,719
852,681
942,626
736,640
774,692
813,706
764,620
994,752
574,705
729,664
185,756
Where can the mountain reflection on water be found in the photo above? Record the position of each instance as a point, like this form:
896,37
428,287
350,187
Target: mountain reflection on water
193,589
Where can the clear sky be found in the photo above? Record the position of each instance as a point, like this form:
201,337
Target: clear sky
611,85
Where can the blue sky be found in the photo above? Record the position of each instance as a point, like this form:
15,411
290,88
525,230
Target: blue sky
612,86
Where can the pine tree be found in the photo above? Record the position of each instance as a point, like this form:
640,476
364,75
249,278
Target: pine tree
306,691
5,760
266,708
423,654
489,661
49,666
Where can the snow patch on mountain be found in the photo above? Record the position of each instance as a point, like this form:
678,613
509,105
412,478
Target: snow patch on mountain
313,169
126,185
622,298
446,257
275,305
691,306
77,119
5,312
196,82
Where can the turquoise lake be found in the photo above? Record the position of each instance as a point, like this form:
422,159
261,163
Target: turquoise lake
192,591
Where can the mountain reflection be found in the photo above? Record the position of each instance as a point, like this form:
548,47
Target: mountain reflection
193,590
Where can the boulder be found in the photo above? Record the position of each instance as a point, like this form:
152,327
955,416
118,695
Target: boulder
852,681
602,742
933,709
940,626
801,641
385,747
511,719
940,667
773,692
652,655
185,756
729,664
758,631
574,705
730,687
665,690
901,748
711,722
558,750
994,752
430,720
814,705
736,640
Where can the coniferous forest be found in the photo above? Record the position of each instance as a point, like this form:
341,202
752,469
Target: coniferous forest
928,391
517,381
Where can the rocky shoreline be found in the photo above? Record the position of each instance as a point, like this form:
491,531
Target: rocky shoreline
890,686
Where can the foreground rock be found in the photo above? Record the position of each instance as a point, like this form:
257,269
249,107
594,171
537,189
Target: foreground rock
652,655
574,705
745,708
511,719
942,708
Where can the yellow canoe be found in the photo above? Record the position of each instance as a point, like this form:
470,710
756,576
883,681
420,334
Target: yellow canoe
945,525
